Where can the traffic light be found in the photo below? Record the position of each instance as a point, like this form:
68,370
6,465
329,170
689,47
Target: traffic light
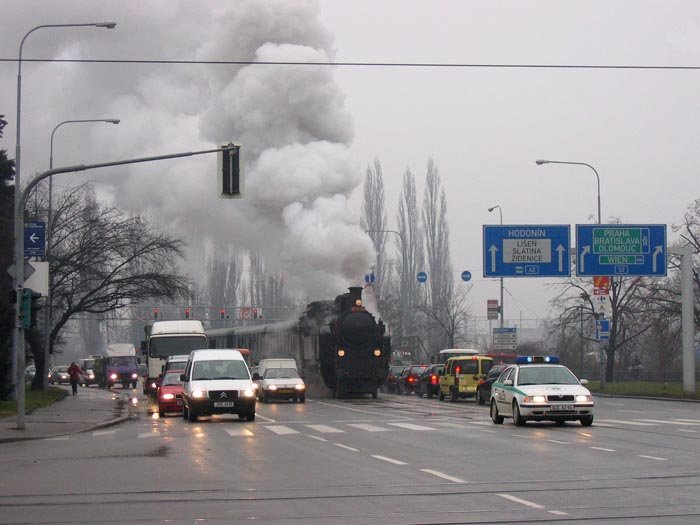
222,313
187,313
155,313
30,303
230,181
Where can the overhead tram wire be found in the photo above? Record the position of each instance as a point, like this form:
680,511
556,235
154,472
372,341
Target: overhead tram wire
445,65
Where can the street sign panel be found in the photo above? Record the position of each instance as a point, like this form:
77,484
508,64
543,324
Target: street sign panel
369,278
422,277
621,249
34,239
466,276
505,338
602,329
527,251
492,309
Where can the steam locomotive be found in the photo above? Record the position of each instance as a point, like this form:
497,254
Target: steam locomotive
340,340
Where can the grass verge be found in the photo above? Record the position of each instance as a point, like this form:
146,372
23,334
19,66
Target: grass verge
645,389
33,399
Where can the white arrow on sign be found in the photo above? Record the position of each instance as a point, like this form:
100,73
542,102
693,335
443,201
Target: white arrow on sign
33,237
493,251
657,251
586,249
560,249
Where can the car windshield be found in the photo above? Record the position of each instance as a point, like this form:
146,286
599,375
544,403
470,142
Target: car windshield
172,379
163,347
546,375
281,373
122,361
61,369
219,369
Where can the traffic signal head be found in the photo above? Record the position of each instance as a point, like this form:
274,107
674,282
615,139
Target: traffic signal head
187,313
155,313
230,181
26,308
222,313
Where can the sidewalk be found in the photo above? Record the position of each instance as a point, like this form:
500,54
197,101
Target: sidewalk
91,409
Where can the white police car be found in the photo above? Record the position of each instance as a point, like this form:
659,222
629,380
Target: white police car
538,388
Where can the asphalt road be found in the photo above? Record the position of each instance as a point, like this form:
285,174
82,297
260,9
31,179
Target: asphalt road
398,459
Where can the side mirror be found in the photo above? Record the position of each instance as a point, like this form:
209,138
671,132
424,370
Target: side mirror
508,382
584,382
256,376
476,377
183,378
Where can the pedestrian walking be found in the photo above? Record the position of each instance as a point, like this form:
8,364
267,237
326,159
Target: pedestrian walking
74,372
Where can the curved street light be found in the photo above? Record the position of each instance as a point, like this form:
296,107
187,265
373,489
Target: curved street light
539,162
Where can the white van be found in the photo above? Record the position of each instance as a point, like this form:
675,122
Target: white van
217,382
264,364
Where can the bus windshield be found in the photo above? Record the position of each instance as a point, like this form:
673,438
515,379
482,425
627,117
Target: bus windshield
162,347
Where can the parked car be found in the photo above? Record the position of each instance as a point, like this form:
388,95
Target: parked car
170,393
408,380
429,381
390,384
483,389
58,375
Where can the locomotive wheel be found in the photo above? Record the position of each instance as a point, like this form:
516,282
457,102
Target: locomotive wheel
374,395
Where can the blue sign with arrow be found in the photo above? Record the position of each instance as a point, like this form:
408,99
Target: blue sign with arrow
422,277
34,239
602,329
466,275
621,249
527,251
369,278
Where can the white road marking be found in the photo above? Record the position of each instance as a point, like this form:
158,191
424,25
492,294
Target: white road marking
485,423
103,432
687,430
368,428
603,449
452,425
687,420
671,422
558,512
442,475
318,438
361,411
281,429
520,436
346,447
411,426
559,442
633,411
521,501
626,422
325,429
238,432
652,457
58,438
390,460
148,435
487,431
257,414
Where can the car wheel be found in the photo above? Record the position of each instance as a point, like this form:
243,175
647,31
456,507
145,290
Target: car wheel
441,396
191,416
185,412
495,416
517,418
429,394
587,421
161,413
251,416
302,399
266,397
480,398
453,394
374,395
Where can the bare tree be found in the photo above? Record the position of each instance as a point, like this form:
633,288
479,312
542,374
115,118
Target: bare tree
374,220
225,274
437,244
103,261
448,316
267,291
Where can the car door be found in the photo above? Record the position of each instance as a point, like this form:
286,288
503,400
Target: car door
502,393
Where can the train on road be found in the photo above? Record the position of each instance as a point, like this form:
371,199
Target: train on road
339,339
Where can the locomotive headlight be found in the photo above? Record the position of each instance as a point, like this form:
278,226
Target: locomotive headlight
377,352
341,353
358,302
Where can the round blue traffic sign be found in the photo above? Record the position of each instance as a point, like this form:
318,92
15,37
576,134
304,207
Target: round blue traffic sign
369,278
466,276
422,277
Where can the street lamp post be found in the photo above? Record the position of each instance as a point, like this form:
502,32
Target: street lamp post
47,317
500,213
539,163
18,333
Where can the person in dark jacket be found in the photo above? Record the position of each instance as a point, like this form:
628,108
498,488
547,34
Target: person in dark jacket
74,372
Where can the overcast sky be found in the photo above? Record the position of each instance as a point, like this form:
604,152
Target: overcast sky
483,127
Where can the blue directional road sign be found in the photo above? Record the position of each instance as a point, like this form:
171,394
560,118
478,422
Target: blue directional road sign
369,278
621,249
527,251
466,276
422,277
34,239
602,329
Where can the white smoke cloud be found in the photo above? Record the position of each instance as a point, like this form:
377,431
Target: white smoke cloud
290,121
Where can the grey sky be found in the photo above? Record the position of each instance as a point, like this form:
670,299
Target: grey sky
483,127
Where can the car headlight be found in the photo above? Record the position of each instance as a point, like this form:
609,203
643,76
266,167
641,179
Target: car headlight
272,387
255,386
91,376
167,396
583,398
153,385
134,376
300,387
199,394
113,376
534,399
248,392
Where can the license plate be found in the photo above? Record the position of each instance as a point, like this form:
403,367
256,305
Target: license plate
224,404
285,391
562,408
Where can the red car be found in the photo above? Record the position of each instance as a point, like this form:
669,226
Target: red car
408,380
170,393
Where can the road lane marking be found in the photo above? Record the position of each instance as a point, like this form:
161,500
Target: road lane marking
281,429
626,422
390,460
361,411
258,414
633,411
558,512
687,420
520,436
325,429
236,432
148,435
352,449
318,438
368,428
58,438
442,475
411,426
103,432
687,430
559,442
652,457
487,431
603,449
672,422
521,501
485,423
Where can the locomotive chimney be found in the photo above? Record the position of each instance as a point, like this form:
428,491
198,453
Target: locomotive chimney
355,294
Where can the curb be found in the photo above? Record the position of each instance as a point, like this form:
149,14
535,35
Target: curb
650,398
